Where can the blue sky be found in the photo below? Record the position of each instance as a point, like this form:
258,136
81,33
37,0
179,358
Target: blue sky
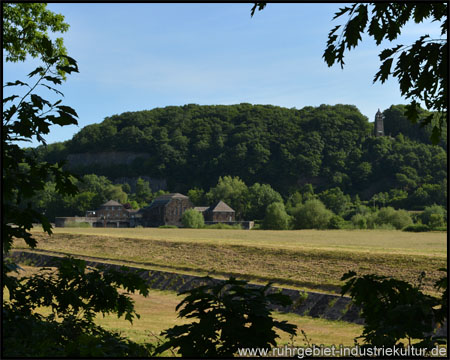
142,56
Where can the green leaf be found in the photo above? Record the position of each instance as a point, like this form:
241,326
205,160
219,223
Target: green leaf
68,110
344,10
384,72
411,112
389,52
9,98
39,69
55,80
15,83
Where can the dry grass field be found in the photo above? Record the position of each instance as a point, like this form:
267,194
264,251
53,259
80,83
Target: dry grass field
158,313
306,259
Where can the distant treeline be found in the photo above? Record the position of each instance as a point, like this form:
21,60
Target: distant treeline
192,146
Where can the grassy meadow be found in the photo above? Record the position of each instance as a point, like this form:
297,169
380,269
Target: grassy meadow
305,259
157,312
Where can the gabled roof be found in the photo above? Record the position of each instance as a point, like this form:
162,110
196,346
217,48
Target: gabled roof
171,196
165,199
221,207
111,203
201,208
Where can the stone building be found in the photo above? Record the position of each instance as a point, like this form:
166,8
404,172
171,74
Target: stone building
219,212
111,214
379,124
165,210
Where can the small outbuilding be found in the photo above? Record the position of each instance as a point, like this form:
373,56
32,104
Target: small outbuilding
219,212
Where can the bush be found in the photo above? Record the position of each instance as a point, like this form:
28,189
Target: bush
167,227
441,228
384,227
312,215
439,216
397,218
276,217
336,222
193,219
417,228
436,221
359,221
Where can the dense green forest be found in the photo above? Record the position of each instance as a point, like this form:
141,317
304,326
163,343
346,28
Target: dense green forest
328,147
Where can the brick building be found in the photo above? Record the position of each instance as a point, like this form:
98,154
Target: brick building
165,210
111,214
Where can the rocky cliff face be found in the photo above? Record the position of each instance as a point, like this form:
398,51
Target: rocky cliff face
112,158
155,184
105,158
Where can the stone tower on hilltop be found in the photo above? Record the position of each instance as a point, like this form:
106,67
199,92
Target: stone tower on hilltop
379,125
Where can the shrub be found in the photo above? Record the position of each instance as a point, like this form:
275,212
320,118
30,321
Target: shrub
167,227
417,228
312,215
384,227
397,218
438,220
359,221
276,217
440,228
192,219
336,222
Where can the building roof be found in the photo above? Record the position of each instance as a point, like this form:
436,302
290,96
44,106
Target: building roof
172,196
221,207
201,208
111,203
165,199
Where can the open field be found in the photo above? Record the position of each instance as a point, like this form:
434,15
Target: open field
307,259
158,313
381,241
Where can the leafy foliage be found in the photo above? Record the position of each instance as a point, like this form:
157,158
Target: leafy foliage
192,219
25,31
392,310
397,218
230,315
75,294
276,217
312,215
434,216
23,174
267,145
421,68
231,190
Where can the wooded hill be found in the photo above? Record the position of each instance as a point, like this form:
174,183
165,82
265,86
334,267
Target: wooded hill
327,146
